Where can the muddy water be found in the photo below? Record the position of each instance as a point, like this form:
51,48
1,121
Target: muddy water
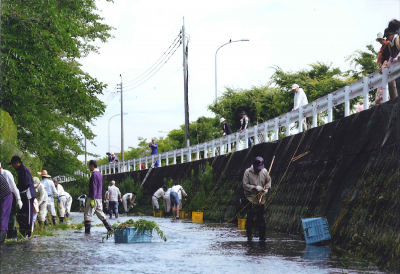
224,250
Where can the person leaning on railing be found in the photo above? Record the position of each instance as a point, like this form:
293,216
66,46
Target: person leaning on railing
394,48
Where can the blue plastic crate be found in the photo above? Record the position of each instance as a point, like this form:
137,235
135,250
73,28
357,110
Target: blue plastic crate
130,235
316,230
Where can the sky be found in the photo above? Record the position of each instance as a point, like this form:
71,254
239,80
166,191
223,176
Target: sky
288,34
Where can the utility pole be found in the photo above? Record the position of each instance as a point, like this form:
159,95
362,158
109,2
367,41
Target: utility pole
85,149
186,90
122,122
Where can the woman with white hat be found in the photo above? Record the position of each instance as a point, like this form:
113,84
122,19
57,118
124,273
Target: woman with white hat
41,196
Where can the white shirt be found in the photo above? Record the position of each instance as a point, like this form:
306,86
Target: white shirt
10,180
300,99
60,190
178,189
67,196
127,197
159,193
113,193
167,193
49,185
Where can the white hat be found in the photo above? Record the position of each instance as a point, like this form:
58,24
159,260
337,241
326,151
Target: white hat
294,86
379,36
0,164
113,182
36,181
221,120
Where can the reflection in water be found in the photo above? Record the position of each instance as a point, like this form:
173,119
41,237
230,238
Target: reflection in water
224,250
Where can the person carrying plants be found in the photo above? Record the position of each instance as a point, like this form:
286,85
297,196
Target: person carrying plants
157,195
127,200
94,201
256,179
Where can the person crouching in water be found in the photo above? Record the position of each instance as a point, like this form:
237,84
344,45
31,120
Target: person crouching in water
94,201
256,179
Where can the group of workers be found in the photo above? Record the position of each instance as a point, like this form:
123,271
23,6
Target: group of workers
34,197
113,198
172,198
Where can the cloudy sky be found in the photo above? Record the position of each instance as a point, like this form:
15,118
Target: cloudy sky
288,34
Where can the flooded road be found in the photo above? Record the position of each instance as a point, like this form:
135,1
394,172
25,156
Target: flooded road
224,250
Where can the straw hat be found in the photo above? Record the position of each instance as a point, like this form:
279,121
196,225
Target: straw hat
44,173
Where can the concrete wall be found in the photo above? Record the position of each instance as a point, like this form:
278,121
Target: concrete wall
350,174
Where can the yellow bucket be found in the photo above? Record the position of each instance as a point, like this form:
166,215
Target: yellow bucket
181,214
242,224
197,216
157,213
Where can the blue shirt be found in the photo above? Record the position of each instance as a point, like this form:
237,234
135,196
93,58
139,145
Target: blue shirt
154,150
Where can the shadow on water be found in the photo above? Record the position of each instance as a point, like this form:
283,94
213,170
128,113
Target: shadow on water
224,250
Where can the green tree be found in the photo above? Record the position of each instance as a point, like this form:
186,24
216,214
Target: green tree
47,94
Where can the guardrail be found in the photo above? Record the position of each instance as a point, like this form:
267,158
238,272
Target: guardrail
259,133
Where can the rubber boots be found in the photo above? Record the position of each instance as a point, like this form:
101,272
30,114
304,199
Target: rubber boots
12,234
87,227
107,225
2,237
67,215
54,220
61,220
46,223
116,215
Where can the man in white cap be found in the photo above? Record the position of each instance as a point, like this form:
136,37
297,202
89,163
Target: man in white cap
112,197
51,190
41,196
6,200
300,99
61,205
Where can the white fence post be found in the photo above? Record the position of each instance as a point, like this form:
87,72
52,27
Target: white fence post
114,167
221,149
246,137
315,114
166,159
152,159
287,124
197,153
256,135
365,92
145,162
213,148
175,157
300,120
159,160
385,91
182,156
140,163
265,132
229,144
330,97
346,101
189,157
134,164
276,129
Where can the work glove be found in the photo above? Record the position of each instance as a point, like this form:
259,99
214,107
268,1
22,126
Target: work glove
259,188
58,198
91,203
265,191
19,202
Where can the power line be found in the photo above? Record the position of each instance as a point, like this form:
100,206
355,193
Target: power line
162,57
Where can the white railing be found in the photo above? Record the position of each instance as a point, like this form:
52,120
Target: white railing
259,133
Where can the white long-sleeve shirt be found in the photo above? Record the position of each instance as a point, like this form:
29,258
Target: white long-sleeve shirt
60,190
10,180
49,185
178,189
300,99
159,193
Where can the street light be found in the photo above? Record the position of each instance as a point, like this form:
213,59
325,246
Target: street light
230,41
109,130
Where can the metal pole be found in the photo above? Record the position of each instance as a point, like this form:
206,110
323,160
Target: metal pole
230,41
185,78
122,124
85,149
109,147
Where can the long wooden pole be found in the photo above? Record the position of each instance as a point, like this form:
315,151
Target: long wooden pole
269,171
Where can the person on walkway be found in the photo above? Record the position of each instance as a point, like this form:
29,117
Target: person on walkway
226,130
256,180
41,196
154,150
68,204
109,156
167,200
127,200
245,124
114,158
112,197
175,201
81,200
15,199
157,195
394,48
51,190
28,193
300,99
61,204
94,203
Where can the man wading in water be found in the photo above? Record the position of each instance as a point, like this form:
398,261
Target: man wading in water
256,179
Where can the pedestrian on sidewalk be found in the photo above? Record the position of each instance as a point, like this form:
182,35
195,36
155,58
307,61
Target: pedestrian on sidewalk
394,48
15,199
157,195
112,197
154,150
51,190
300,99
226,130
256,179
68,204
41,196
175,201
28,193
61,203
94,201
127,200
245,124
